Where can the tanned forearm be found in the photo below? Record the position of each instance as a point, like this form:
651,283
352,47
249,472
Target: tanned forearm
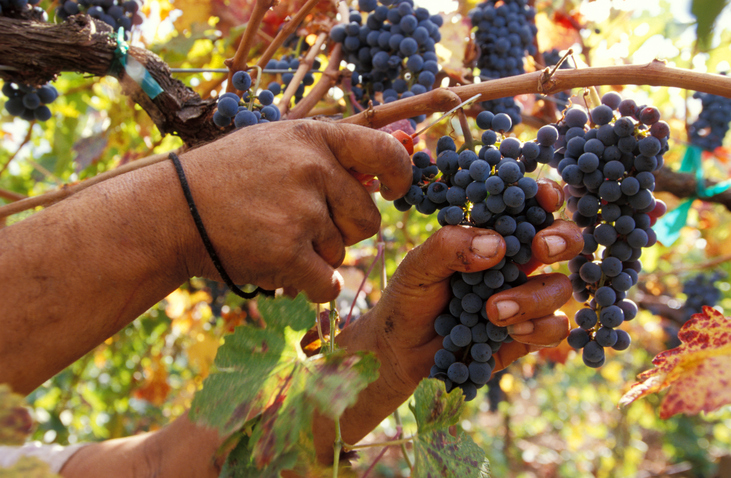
78,272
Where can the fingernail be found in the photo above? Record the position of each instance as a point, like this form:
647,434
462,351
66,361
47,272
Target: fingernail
556,198
485,246
521,328
506,309
555,245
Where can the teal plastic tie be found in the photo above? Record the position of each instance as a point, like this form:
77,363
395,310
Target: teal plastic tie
668,227
133,68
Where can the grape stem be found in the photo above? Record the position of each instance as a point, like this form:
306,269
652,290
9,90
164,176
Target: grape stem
338,444
285,32
261,7
25,141
466,133
302,70
365,278
329,78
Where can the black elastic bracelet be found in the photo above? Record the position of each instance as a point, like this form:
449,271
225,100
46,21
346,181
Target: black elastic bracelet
206,240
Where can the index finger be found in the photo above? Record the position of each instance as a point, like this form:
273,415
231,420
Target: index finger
370,152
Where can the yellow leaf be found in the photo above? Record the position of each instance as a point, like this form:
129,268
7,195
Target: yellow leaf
194,11
202,353
698,372
15,421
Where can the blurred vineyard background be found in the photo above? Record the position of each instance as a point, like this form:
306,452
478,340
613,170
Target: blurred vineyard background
547,415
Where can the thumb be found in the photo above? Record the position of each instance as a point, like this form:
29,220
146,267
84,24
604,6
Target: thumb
419,290
452,249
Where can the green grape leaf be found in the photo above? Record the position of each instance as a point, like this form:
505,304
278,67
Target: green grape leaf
28,467
335,381
435,408
251,363
706,12
437,452
329,384
15,421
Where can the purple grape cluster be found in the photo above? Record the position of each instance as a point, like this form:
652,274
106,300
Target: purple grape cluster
115,13
29,102
6,6
392,49
230,107
701,290
487,189
503,34
710,128
608,167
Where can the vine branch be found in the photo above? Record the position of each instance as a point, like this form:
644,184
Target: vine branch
656,73
285,32
304,67
683,185
261,7
38,52
22,145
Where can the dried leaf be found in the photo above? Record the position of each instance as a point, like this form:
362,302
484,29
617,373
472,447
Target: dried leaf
15,421
437,452
698,372
89,150
247,363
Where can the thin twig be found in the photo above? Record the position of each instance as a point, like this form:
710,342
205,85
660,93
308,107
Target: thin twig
375,462
319,326
302,70
382,443
362,284
468,141
67,190
25,141
328,79
40,168
338,444
261,7
286,31
11,196
399,435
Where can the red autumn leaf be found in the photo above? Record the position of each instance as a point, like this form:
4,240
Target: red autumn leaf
698,372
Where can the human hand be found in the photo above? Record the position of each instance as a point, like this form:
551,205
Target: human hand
280,201
419,291
400,328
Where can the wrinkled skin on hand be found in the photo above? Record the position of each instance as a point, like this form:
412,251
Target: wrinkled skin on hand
400,328
281,201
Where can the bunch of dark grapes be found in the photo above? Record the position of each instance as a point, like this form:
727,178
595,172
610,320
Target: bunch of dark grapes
115,13
230,107
551,59
392,49
487,189
6,6
503,34
29,102
608,173
701,290
710,128
290,64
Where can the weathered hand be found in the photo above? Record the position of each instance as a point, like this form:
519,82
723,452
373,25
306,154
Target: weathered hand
400,328
280,201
